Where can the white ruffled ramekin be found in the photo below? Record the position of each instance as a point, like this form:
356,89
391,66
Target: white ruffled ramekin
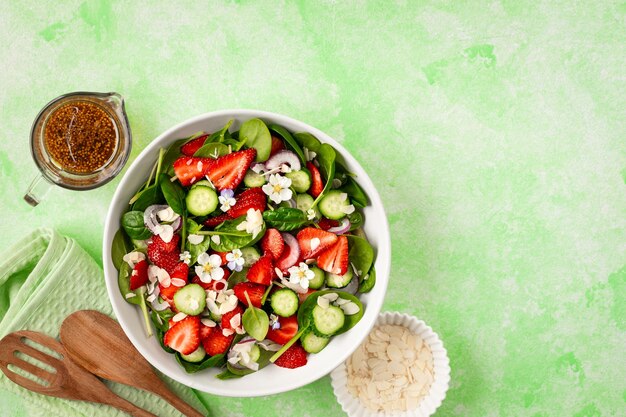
429,404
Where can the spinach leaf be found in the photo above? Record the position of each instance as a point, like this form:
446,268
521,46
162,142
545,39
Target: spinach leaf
356,220
355,192
255,321
174,194
207,362
263,361
230,238
369,280
196,250
307,140
173,153
226,374
256,135
212,150
149,196
361,255
285,218
222,134
236,277
284,133
164,316
132,222
123,282
119,248
306,309
159,336
326,157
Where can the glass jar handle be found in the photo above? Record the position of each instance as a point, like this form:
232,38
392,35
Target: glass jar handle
37,190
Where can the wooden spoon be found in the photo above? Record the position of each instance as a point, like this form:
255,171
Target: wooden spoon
65,380
97,343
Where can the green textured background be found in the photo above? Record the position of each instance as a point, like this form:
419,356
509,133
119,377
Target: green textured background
494,131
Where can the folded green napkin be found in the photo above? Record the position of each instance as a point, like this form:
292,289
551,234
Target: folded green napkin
44,278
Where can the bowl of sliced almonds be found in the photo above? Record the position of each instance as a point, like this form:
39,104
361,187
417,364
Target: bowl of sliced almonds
400,369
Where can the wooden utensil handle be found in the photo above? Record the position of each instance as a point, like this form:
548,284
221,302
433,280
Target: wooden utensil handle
128,407
179,404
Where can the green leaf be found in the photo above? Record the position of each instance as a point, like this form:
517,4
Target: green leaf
119,248
165,316
307,140
236,277
361,255
174,194
285,218
306,309
221,135
256,135
291,142
149,196
326,157
369,280
231,238
208,362
355,192
356,220
173,153
196,250
212,150
123,282
159,336
255,321
264,360
132,222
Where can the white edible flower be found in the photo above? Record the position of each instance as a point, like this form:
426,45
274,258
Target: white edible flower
274,323
167,215
165,232
227,199
185,257
253,223
133,258
235,260
278,188
310,214
195,239
209,268
301,275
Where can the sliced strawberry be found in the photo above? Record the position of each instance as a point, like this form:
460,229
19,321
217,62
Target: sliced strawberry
165,260
180,271
216,343
262,271
291,253
205,331
171,246
287,330
167,293
294,357
272,243
228,171
139,276
254,291
189,169
252,198
227,316
326,224
335,258
304,296
184,337
277,145
217,220
193,145
317,185
313,241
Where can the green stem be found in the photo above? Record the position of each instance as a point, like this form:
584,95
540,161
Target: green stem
144,311
215,233
250,306
288,345
267,292
161,154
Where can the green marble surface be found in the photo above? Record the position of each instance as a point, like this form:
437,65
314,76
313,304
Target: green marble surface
494,131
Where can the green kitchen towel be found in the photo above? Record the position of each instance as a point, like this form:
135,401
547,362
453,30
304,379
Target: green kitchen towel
44,278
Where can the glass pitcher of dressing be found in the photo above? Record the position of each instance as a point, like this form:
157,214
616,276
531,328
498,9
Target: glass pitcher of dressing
79,141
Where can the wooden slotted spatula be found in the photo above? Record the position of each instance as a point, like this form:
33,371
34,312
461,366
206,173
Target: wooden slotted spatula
63,378
110,355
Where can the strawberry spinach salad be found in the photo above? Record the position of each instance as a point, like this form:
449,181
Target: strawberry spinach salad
245,248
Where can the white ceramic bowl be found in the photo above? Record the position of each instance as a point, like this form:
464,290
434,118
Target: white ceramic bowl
437,393
273,379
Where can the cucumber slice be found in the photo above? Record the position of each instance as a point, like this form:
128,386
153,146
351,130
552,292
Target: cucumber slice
191,299
313,343
333,204
300,180
284,302
252,179
255,354
201,201
304,203
250,255
140,245
327,321
202,183
318,281
195,356
215,317
339,281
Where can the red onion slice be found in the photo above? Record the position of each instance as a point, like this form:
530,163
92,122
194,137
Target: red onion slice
177,224
150,218
291,254
353,285
292,203
344,227
283,157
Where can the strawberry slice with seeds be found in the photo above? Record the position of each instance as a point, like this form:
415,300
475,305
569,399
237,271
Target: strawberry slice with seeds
205,332
139,276
254,291
217,220
181,271
317,185
335,258
216,343
272,243
226,317
294,357
252,198
313,241
326,224
287,330
189,169
168,293
162,259
170,246
277,145
262,271
228,171
191,147
184,337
